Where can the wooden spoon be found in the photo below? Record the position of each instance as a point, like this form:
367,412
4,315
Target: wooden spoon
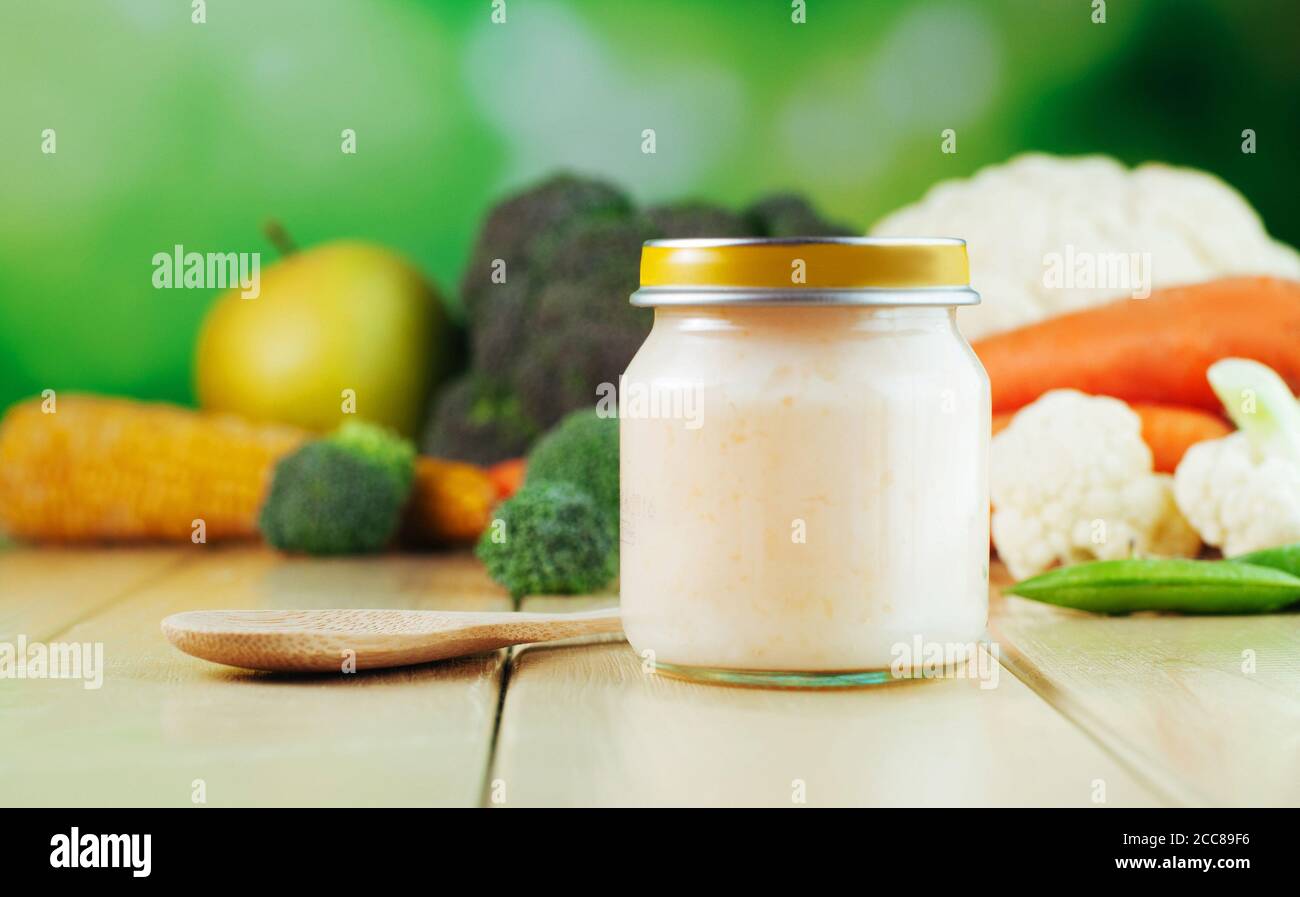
326,640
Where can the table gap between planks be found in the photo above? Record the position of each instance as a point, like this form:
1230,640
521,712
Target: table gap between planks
1099,712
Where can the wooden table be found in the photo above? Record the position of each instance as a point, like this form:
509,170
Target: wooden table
1086,711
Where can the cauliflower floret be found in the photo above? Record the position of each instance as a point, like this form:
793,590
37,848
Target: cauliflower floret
1242,492
1071,480
1185,226
1236,501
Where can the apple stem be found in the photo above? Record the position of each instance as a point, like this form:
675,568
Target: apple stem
279,238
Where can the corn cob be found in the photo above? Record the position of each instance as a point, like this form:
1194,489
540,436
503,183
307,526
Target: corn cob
99,469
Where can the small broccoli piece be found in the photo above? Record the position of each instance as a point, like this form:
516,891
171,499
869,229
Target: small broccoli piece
581,450
516,223
550,538
379,446
687,220
790,215
473,420
342,494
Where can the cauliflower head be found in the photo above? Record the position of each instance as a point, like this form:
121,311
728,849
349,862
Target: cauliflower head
1071,480
1236,500
1242,492
1016,216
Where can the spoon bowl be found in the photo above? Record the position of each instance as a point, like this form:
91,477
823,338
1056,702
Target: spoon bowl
335,640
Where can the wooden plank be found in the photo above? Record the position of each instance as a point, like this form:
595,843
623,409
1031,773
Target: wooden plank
587,725
162,720
1175,698
44,590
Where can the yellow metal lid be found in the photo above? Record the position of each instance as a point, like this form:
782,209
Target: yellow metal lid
833,270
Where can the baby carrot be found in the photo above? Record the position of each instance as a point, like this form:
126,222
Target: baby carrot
1167,430
1150,350
1174,584
508,476
1170,431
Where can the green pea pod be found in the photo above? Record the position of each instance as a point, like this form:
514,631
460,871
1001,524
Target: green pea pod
1176,584
1285,558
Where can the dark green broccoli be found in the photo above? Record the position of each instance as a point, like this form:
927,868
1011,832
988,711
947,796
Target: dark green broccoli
582,331
599,246
550,538
564,365
475,420
342,494
515,223
686,220
581,450
504,314
480,417
590,248
790,215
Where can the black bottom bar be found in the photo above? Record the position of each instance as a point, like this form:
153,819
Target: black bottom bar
329,847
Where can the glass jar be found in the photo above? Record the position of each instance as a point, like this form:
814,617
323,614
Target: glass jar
804,451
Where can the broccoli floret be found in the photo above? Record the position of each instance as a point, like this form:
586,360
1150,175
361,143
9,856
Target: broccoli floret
577,249
790,215
606,247
581,450
685,220
502,325
380,447
582,331
550,538
523,232
342,494
473,420
515,223
564,365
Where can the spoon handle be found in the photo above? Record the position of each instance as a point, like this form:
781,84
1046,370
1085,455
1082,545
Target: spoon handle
549,627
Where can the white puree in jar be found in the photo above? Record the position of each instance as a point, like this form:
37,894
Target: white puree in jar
829,499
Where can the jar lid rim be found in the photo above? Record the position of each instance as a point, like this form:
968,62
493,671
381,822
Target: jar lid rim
684,297
796,265
706,242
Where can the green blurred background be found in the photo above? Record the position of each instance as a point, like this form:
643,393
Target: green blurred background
170,132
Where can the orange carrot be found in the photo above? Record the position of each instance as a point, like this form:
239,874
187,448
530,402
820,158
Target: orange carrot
451,502
1168,430
1171,431
1150,350
508,476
